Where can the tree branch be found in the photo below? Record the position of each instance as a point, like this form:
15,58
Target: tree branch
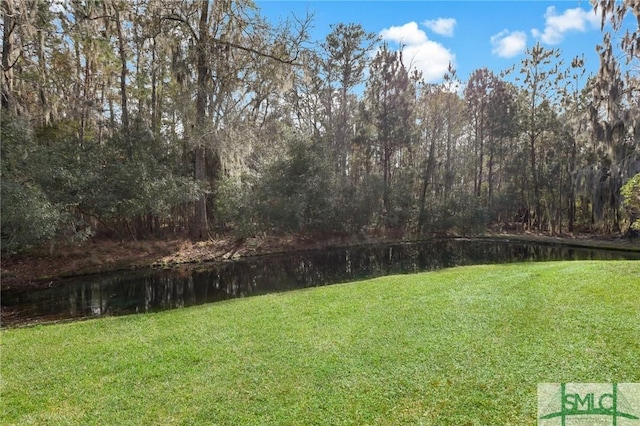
177,18
287,61
259,53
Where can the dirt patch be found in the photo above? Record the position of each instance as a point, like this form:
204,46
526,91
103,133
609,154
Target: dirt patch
42,267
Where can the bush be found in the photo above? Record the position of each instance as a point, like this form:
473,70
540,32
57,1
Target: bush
630,192
50,180
234,207
294,192
28,218
401,206
357,206
460,212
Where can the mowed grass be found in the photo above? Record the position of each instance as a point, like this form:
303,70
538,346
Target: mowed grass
454,347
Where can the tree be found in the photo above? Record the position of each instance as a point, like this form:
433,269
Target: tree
476,95
224,42
116,8
346,49
540,74
574,113
440,121
391,96
8,53
614,113
502,117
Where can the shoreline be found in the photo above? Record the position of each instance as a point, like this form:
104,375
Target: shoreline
40,269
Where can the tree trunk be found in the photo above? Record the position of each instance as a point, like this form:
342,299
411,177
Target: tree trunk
200,227
8,21
481,156
425,183
155,114
386,166
490,178
536,185
123,73
448,169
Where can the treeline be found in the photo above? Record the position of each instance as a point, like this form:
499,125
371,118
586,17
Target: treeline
152,117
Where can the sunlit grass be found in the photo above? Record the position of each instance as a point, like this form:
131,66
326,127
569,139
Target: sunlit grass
459,346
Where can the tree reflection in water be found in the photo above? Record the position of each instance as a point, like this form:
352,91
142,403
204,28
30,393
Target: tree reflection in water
155,290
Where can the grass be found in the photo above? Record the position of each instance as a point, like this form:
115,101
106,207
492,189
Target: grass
462,346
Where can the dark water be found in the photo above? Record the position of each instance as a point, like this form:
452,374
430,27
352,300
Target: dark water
156,290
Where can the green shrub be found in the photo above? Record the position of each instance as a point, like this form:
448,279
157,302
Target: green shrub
294,191
28,218
631,195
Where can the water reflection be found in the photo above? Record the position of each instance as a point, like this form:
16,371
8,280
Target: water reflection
155,290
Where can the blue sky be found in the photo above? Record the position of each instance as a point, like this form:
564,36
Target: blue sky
471,34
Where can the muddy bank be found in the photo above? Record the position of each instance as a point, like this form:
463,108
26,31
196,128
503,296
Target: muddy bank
44,268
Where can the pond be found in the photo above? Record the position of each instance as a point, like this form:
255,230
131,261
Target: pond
159,289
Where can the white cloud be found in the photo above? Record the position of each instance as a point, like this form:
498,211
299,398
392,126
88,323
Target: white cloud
418,52
571,20
508,44
431,58
408,34
442,26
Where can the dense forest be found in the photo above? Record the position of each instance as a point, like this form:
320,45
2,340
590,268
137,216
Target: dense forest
141,118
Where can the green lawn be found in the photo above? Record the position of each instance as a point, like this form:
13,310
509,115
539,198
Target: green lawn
460,346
